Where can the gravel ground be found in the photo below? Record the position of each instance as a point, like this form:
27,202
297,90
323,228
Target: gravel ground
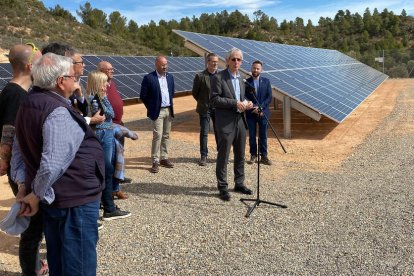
354,220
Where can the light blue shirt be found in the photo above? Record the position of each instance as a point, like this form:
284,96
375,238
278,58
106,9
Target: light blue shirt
165,96
256,84
236,83
62,136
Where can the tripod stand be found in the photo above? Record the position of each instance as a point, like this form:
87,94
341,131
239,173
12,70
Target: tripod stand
258,201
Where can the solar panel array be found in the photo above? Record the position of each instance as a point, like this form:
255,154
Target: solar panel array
5,74
130,70
326,81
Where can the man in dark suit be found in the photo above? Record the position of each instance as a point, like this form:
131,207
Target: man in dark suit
263,91
157,92
227,96
201,93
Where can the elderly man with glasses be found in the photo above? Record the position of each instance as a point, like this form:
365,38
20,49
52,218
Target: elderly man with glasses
228,98
64,168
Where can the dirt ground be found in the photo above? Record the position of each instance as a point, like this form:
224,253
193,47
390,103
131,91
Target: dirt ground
314,146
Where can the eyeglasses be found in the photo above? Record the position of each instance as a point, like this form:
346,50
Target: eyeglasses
79,62
34,51
71,77
236,59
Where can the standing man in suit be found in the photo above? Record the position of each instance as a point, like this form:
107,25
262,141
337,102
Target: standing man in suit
201,93
263,91
157,92
227,96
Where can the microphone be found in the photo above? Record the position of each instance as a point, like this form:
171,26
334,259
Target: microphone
251,86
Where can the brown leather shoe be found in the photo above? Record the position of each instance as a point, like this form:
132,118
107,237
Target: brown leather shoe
155,167
119,195
166,163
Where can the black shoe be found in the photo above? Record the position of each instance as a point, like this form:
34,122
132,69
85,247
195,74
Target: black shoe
265,161
252,160
243,189
224,195
203,161
126,180
117,214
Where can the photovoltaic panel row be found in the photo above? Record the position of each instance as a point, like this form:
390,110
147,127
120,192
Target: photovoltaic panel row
130,70
5,74
326,81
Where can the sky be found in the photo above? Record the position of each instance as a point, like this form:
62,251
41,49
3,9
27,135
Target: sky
142,13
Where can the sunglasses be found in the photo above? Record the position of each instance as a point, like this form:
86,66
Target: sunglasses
78,62
34,51
236,59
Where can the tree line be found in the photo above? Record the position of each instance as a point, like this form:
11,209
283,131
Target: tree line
362,37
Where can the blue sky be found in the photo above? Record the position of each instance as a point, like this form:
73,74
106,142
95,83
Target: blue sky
143,13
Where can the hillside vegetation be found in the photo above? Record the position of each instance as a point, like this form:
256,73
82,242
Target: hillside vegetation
363,37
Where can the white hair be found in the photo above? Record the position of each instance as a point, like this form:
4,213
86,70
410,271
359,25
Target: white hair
232,52
49,68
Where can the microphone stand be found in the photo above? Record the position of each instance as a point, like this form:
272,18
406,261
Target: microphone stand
258,201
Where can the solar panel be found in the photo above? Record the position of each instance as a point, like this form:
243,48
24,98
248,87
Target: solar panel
327,81
130,70
5,74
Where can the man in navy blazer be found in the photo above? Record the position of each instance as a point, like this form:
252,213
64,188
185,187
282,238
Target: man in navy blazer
228,97
157,92
263,91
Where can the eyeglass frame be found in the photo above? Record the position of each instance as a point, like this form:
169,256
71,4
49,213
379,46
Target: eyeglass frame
69,76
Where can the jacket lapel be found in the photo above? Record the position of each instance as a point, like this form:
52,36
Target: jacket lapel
229,84
242,89
207,79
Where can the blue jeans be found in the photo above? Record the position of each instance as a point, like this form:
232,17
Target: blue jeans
252,122
71,238
204,129
106,138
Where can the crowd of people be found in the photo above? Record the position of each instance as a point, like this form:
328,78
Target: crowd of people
62,144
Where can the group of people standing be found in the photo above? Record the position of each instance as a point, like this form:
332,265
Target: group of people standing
58,152
59,142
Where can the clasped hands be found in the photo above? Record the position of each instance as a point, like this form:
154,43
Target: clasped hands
244,105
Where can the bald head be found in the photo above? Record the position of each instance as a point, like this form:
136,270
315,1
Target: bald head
21,57
106,68
161,64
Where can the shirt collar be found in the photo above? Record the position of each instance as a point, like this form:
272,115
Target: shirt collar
159,75
231,75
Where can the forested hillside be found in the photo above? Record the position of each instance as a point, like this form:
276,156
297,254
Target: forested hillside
363,37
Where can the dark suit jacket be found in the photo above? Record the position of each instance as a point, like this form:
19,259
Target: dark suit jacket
201,91
151,94
223,98
264,95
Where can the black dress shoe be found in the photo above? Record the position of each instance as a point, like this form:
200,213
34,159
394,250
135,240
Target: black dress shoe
126,180
224,195
243,189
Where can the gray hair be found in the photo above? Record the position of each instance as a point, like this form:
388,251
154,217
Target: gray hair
49,68
211,55
232,52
